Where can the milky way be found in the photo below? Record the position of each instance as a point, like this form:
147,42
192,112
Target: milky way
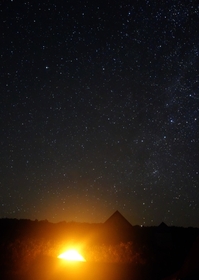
99,111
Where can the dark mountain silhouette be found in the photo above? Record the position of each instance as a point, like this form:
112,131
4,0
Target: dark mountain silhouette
116,228
163,226
117,220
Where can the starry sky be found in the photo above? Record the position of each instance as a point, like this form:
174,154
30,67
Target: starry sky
100,110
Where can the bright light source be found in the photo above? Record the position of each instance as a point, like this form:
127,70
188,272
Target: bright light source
71,255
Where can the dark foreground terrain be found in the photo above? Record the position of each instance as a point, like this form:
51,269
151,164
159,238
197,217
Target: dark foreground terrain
29,250
46,268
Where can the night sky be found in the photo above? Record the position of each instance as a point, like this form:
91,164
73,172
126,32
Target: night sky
100,111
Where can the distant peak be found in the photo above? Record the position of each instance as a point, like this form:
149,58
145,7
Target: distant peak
117,219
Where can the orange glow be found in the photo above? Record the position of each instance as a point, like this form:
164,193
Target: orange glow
72,255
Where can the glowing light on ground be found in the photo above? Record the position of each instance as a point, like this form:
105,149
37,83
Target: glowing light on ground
72,255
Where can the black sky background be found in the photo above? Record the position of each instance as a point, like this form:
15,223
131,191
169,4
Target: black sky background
99,110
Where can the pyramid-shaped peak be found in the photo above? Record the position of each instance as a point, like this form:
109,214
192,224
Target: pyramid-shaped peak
163,226
117,220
